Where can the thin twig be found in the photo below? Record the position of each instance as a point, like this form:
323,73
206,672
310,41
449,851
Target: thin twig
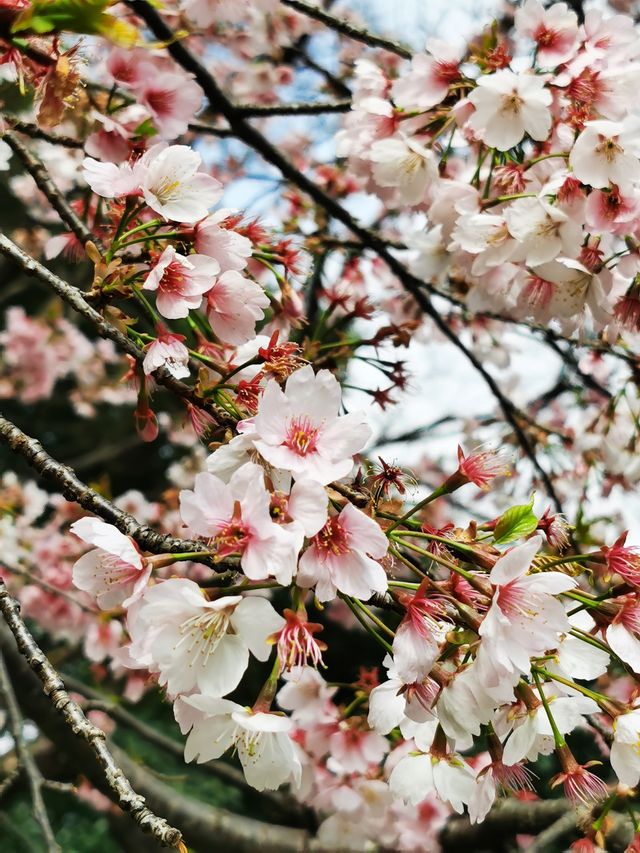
76,299
48,587
43,181
73,716
347,29
25,759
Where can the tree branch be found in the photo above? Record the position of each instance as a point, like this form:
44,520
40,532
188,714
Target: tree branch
35,132
347,29
76,299
300,109
506,819
25,759
75,490
43,181
76,721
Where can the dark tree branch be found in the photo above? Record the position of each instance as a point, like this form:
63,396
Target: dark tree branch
25,759
301,109
74,489
35,132
76,721
44,183
347,29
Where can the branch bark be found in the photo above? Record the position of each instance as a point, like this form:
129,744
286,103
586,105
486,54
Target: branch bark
120,788
74,489
40,175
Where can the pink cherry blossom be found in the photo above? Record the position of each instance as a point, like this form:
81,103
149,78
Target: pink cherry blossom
555,30
236,518
343,557
113,181
301,431
167,351
172,99
431,74
230,249
114,573
234,305
180,281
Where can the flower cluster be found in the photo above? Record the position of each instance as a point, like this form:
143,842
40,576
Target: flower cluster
527,172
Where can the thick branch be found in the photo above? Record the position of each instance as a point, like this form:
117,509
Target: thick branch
76,299
74,489
507,819
76,721
26,760
348,29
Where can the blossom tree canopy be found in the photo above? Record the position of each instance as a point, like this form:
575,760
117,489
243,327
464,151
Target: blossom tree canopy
319,369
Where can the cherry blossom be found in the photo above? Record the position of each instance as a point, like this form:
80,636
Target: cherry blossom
261,739
625,758
197,644
180,281
114,572
555,30
300,429
173,187
344,557
167,351
236,518
431,74
403,163
607,152
234,305
508,105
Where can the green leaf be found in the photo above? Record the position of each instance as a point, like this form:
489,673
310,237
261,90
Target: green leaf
146,129
76,16
515,523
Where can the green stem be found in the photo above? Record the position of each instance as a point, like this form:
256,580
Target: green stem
439,492
365,624
557,737
597,697
437,559
374,618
